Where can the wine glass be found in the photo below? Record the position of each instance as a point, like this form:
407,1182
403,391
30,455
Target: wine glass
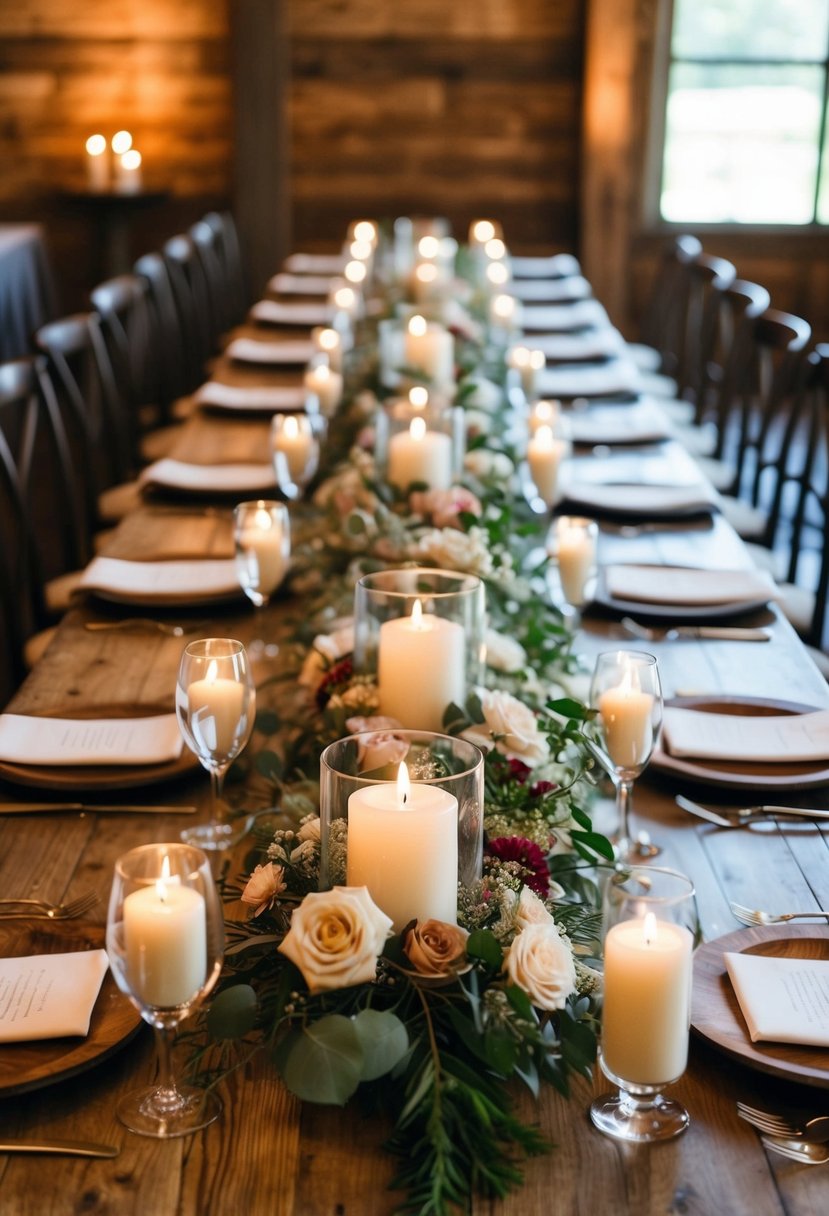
295,446
215,706
626,692
571,544
262,539
165,941
649,924
548,450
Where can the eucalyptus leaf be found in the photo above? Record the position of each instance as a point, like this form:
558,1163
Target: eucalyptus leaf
384,1040
269,765
322,1062
485,946
267,722
232,1013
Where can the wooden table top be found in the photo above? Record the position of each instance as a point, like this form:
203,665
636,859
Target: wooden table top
268,1154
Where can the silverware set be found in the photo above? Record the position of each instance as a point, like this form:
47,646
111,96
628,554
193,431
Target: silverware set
756,916
727,818
711,633
139,623
806,1141
41,909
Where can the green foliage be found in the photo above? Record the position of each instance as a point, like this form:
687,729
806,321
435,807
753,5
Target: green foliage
232,1013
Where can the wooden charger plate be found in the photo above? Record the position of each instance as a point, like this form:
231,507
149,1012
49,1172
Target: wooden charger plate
25,1066
716,1015
99,776
743,774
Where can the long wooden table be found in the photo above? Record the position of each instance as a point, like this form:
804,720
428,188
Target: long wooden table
268,1154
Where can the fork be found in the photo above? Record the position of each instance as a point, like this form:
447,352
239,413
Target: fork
816,1129
798,1150
722,633
756,916
41,909
138,622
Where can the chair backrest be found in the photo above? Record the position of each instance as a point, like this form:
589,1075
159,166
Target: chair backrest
665,324
173,377
190,292
740,306
206,242
701,369
122,306
224,226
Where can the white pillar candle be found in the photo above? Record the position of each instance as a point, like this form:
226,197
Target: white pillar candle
576,554
421,668
429,348
404,848
626,714
165,941
264,547
647,1000
97,163
419,455
329,342
215,706
297,443
544,456
327,386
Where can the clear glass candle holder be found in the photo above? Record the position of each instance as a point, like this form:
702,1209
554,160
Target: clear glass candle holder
650,924
420,633
296,440
548,450
419,445
410,839
572,546
324,383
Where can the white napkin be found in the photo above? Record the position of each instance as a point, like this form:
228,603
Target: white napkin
618,376
551,291
786,737
643,422
300,284
208,478
784,1000
48,996
556,266
657,501
62,741
680,585
564,348
268,399
315,263
564,318
275,312
177,581
248,350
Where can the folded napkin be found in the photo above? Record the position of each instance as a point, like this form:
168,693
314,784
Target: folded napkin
255,397
556,266
208,478
643,422
596,344
618,376
175,582
551,291
766,740
48,996
315,263
70,741
655,501
784,1000
275,312
564,318
248,350
300,284
684,586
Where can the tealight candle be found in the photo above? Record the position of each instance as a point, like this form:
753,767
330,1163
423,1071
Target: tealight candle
544,456
647,1000
215,711
575,551
326,385
165,941
403,846
429,348
330,342
626,714
97,163
421,668
421,456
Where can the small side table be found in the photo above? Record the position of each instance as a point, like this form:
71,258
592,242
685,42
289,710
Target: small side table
112,213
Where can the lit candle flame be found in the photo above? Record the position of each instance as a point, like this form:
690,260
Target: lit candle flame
212,672
355,272
263,520
121,142
161,883
426,272
418,397
495,249
96,145
361,251
544,438
417,615
428,247
328,339
483,231
417,429
404,785
417,326
365,230
649,930
545,412
131,160
504,307
629,682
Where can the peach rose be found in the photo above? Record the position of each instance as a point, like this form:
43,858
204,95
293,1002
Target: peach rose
541,962
263,886
435,948
445,506
336,937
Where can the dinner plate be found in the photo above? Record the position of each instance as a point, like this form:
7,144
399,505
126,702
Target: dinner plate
743,774
95,776
26,1066
715,1011
673,612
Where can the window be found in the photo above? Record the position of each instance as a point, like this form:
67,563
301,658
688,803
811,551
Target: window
746,138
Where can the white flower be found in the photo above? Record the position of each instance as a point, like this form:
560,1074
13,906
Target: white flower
263,886
310,829
531,910
453,550
486,395
540,961
336,937
510,726
494,466
306,851
478,422
326,649
503,653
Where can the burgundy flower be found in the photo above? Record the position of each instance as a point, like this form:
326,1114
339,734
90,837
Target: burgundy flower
336,677
528,855
541,788
518,771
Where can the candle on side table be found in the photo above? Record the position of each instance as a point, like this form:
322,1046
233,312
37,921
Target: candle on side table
421,668
97,163
165,938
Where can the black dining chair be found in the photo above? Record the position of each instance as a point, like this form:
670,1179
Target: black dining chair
174,377
220,315
230,252
661,351
192,301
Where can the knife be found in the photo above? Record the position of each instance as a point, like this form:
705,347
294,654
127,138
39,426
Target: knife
724,633
15,808
747,814
70,1148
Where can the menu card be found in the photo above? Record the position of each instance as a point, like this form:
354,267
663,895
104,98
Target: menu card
275,312
689,586
70,741
267,398
208,478
248,350
784,1000
778,738
48,996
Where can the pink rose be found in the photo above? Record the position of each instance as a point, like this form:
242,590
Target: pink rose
263,886
445,506
377,743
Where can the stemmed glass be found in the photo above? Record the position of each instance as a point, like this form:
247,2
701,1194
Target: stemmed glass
295,445
649,921
215,705
626,692
262,539
165,941
571,544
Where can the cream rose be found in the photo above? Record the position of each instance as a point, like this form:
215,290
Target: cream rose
494,466
540,962
503,653
435,948
335,938
531,911
326,649
510,726
454,550
310,830
263,886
